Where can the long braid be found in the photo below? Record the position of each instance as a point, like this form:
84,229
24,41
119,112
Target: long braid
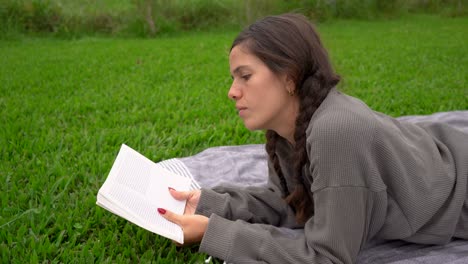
311,94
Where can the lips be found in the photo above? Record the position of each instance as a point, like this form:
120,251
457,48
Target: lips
241,109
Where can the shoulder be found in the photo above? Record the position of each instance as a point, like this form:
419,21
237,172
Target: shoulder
340,143
341,118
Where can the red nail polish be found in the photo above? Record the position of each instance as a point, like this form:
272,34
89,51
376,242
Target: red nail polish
161,211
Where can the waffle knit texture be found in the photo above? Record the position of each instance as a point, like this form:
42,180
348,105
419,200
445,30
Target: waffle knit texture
369,175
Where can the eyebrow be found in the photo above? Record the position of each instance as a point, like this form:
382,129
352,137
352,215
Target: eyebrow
238,69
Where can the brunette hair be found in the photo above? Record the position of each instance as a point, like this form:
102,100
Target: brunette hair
289,44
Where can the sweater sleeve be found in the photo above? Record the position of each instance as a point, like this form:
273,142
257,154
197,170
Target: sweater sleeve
252,204
334,235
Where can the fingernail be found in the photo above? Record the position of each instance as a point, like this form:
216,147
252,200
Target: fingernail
161,211
170,188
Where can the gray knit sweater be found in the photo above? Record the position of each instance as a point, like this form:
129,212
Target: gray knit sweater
370,176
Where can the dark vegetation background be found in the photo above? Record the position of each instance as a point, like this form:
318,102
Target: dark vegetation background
146,18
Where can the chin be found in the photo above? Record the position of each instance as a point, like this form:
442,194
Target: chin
252,127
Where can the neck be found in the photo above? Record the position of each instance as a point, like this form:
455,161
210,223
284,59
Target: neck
289,138
288,125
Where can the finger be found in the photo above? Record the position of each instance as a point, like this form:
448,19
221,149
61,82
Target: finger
170,216
180,196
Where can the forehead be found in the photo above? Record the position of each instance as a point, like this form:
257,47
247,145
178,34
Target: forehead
240,57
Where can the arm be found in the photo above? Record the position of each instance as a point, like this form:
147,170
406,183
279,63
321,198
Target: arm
251,204
334,235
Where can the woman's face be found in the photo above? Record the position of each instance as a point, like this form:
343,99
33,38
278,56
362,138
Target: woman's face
261,96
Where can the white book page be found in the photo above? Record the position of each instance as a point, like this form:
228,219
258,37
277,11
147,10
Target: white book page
136,187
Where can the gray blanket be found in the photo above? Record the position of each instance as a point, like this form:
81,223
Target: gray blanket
246,166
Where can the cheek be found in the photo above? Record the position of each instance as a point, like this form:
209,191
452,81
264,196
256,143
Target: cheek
264,87
272,91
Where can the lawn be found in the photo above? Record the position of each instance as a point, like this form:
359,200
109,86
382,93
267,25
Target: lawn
66,106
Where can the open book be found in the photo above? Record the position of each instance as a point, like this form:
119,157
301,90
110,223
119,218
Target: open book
136,187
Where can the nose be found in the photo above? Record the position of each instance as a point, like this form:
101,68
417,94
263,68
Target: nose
234,92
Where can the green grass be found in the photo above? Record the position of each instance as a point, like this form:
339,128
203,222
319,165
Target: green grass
66,106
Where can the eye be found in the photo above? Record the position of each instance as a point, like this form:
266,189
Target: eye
246,77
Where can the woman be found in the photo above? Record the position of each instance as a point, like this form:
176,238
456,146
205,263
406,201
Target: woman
338,170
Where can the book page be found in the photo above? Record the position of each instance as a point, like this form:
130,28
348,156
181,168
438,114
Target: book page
136,187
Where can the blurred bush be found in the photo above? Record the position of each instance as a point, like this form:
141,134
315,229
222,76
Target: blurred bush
174,15
146,18
29,16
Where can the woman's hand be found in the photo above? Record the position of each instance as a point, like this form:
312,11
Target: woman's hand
193,226
192,198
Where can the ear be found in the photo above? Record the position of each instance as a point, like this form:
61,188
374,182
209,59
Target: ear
290,85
